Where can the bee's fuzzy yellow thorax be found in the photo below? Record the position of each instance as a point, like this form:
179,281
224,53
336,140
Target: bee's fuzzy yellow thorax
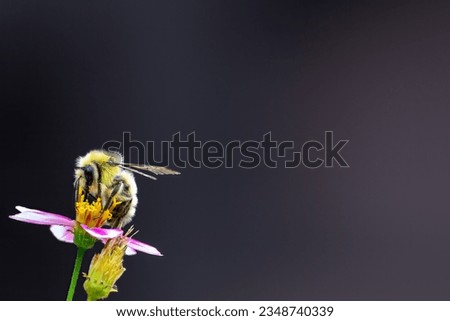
106,161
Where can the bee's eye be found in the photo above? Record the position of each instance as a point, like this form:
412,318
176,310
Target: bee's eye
89,174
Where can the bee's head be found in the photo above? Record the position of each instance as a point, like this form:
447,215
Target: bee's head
89,175
96,167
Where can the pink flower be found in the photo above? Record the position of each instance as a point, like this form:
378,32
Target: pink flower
63,228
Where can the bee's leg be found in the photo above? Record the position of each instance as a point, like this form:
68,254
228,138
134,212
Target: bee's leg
119,213
76,186
110,198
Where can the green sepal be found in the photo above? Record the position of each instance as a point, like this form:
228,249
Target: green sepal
82,239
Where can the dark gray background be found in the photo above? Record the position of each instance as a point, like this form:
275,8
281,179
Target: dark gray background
75,74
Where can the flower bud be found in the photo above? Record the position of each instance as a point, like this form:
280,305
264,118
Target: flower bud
105,269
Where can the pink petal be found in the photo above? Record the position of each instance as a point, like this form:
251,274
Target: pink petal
102,233
130,251
39,217
62,233
142,247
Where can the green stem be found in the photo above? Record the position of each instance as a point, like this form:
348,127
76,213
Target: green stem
75,273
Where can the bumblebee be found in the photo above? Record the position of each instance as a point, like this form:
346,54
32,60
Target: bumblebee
103,174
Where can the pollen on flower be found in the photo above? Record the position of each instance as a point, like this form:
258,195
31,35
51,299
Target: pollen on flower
92,214
105,269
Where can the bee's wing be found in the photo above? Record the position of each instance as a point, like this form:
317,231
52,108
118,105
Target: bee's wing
157,170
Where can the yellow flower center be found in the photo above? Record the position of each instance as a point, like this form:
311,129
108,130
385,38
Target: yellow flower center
92,214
